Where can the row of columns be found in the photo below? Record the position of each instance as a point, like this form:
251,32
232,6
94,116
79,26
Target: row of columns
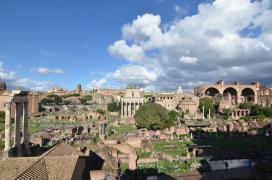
236,114
21,112
128,109
203,113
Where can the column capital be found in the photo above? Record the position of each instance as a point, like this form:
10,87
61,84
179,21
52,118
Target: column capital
7,105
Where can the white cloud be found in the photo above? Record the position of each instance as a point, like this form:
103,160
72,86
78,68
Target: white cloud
6,75
180,10
188,60
131,53
24,83
31,84
97,83
45,70
215,40
135,74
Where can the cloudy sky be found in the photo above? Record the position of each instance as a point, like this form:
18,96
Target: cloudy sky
155,44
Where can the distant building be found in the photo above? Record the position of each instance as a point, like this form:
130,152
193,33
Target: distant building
166,100
56,89
131,101
78,89
229,96
188,104
181,101
33,100
265,96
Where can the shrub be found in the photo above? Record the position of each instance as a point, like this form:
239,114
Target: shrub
153,116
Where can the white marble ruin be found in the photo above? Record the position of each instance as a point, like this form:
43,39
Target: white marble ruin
20,145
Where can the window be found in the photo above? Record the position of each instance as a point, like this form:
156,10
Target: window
132,94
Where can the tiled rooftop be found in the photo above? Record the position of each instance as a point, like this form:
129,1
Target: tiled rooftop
57,163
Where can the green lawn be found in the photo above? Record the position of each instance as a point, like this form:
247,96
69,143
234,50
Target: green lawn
121,129
34,127
172,148
142,154
124,167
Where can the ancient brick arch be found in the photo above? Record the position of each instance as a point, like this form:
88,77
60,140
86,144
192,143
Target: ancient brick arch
239,92
232,93
211,91
248,95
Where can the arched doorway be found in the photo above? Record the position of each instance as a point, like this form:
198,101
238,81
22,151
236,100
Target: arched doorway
248,95
211,91
230,94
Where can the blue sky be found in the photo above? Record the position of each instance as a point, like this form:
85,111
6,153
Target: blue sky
70,35
74,36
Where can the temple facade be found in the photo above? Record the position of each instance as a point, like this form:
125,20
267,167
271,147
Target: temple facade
131,102
20,145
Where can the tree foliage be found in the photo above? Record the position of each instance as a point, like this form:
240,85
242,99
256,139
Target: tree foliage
51,99
208,104
153,116
100,111
257,110
86,99
70,95
114,106
173,116
245,106
2,116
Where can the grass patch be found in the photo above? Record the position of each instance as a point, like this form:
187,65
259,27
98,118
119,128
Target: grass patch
123,128
123,167
37,126
172,148
142,154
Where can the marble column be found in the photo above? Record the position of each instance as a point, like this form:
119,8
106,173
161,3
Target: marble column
134,108
25,127
129,109
125,109
122,109
203,113
7,126
17,129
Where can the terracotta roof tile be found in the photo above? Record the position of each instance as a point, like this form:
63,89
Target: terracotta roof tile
37,171
63,149
58,163
13,167
60,167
